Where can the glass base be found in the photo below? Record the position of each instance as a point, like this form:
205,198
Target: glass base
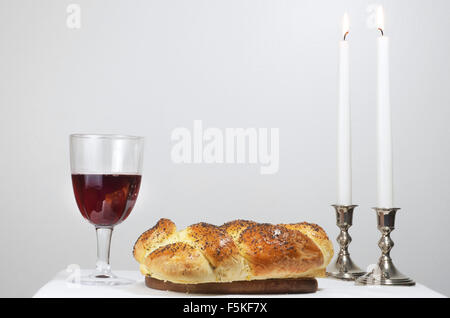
102,279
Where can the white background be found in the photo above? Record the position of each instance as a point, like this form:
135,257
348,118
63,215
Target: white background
147,67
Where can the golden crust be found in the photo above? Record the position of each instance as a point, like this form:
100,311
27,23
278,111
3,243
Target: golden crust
320,238
214,242
235,228
178,262
274,251
237,250
156,235
218,247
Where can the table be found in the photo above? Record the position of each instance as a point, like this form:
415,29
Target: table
60,286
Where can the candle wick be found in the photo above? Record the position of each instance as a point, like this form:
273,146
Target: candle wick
381,30
345,35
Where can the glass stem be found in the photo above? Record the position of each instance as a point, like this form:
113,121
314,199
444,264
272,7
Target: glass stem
103,268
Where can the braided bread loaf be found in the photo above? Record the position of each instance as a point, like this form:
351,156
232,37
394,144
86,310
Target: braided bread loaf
236,251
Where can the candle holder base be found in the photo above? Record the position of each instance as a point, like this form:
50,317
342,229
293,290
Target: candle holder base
344,268
385,273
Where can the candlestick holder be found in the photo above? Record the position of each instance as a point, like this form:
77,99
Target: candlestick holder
344,268
385,273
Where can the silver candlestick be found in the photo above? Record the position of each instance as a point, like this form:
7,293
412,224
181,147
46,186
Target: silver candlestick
344,268
385,273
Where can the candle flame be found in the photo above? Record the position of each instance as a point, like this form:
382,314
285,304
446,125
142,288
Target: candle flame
345,25
380,19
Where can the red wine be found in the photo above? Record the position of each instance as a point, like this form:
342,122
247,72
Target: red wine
105,199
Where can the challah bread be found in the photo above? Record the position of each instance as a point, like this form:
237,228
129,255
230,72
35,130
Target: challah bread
236,251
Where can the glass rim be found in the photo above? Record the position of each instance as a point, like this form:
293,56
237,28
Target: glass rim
106,136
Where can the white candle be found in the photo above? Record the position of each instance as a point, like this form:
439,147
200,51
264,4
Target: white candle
344,152
384,129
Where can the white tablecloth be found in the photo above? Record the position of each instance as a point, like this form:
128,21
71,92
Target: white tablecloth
61,287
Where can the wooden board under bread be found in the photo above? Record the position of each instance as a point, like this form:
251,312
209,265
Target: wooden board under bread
266,286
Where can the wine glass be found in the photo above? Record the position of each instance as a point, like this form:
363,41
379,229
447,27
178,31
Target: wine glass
106,176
